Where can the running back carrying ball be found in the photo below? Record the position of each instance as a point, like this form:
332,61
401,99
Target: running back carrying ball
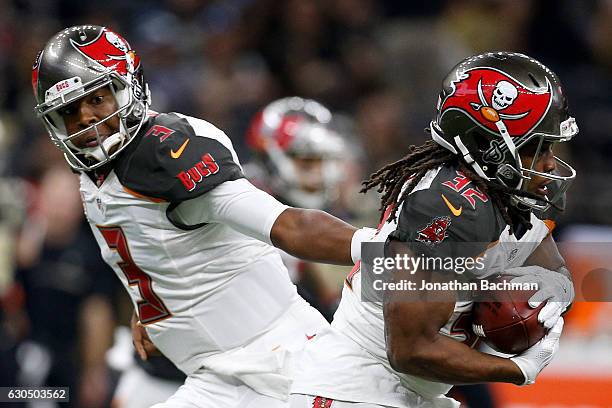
505,321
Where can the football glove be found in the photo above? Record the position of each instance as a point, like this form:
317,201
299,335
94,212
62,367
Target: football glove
533,360
554,288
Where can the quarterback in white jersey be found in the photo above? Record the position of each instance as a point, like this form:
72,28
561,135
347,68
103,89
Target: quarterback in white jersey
189,237
470,192
296,154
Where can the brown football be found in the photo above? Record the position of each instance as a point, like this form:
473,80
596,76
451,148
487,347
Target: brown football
504,319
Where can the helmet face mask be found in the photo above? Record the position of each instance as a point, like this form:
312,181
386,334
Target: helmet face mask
299,151
494,105
561,178
75,63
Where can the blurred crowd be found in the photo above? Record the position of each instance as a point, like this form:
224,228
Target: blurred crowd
376,64
379,63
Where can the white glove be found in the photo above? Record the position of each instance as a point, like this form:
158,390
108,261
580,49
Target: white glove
554,288
533,360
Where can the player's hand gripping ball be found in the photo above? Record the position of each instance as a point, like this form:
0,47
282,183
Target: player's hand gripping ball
504,319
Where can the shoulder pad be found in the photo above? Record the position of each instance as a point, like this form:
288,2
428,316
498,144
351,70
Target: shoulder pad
176,158
451,208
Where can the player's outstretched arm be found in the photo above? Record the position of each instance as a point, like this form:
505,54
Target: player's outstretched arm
313,235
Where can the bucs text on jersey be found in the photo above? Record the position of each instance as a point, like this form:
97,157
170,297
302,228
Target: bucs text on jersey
348,361
201,288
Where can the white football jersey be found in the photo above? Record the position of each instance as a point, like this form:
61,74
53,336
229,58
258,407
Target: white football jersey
199,289
349,360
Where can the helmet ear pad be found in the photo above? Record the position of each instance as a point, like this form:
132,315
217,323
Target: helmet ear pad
484,147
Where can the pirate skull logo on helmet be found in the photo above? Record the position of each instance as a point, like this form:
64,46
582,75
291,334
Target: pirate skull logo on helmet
116,41
504,95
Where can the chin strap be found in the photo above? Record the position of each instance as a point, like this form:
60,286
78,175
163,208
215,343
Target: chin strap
463,150
102,152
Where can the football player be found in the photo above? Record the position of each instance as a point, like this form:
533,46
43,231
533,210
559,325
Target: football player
298,156
189,237
477,182
299,159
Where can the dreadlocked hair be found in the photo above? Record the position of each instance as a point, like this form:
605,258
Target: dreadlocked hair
420,159
391,178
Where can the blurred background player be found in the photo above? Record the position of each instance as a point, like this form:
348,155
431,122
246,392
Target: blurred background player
303,161
299,156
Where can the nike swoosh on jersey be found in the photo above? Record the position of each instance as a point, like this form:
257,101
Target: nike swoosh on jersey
456,212
177,154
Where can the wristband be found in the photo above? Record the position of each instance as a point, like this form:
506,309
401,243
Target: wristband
361,235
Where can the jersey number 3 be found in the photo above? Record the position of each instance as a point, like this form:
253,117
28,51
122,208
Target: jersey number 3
151,309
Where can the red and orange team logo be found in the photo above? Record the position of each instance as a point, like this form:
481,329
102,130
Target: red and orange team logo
435,231
320,402
490,96
111,51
